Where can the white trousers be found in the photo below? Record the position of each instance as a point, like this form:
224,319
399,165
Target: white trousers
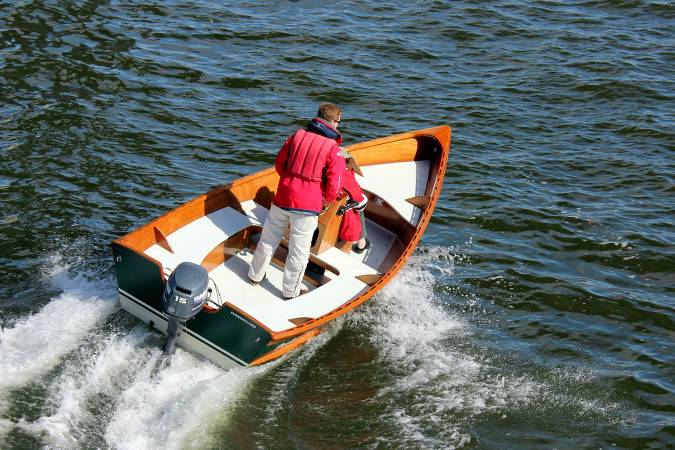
302,229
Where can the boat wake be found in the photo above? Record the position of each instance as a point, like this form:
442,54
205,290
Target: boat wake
111,395
98,379
80,398
286,374
187,403
33,346
95,378
434,389
176,406
443,381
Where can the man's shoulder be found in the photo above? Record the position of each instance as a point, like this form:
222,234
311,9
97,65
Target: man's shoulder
319,141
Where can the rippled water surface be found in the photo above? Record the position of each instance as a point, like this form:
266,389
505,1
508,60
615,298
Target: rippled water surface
538,312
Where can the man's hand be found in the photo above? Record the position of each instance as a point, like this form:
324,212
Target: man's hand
361,206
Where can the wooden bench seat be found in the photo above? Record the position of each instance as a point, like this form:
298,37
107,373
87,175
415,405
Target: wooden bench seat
265,302
211,230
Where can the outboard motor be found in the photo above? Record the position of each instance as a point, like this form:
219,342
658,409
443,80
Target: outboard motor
185,293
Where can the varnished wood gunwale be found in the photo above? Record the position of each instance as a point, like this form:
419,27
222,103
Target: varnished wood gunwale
261,184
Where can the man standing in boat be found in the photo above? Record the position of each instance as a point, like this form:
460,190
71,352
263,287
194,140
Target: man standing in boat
310,166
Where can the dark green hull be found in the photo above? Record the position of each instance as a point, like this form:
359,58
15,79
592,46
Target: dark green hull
226,337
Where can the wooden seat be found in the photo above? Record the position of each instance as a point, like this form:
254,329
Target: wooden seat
213,229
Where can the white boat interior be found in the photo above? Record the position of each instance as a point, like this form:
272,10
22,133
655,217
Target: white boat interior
411,181
264,302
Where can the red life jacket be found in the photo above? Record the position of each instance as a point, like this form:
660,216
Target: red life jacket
310,166
350,228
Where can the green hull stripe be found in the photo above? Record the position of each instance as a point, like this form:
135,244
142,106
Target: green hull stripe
187,330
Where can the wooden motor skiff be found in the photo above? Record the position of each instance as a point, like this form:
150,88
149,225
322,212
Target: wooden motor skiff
242,324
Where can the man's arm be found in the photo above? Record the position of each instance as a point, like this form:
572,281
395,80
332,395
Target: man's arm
352,187
282,157
335,168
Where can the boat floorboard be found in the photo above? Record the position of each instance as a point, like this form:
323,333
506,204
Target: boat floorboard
265,302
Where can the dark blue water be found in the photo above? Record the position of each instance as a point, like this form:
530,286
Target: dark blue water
538,312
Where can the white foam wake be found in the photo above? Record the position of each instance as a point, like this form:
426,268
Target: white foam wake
33,346
97,373
177,407
117,394
286,372
182,405
437,387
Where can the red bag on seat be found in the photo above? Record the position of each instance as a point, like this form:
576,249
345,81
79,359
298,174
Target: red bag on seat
350,228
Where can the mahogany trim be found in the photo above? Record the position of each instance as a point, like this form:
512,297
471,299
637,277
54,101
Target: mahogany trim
299,320
285,348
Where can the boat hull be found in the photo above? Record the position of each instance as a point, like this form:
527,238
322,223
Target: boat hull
226,337
253,325
187,339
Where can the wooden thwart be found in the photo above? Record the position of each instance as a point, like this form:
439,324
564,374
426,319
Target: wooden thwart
329,226
229,247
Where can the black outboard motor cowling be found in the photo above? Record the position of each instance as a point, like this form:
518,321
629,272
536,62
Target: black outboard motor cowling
185,293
